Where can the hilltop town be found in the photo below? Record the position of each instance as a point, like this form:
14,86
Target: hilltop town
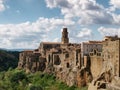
92,63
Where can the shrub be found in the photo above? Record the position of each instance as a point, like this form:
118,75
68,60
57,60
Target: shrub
35,88
18,76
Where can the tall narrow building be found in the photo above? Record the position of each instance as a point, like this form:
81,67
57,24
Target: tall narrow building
64,39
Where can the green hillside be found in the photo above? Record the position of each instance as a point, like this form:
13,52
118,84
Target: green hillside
13,79
19,80
8,59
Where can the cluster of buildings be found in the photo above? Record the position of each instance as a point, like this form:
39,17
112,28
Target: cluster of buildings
75,64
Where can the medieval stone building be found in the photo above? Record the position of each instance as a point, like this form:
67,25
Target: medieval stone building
75,64
111,54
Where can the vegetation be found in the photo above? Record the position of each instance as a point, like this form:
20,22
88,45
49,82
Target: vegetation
8,59
13,79
19,80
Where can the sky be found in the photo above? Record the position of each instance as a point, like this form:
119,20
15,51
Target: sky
26,23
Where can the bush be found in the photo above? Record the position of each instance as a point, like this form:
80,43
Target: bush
19,80
18,76
35,88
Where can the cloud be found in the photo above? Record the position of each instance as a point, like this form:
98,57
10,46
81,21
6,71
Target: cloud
85,32
30,34
27,34
86,12
115,3
76,14
80,35
2,7
109,31
58,3
56,40
116,19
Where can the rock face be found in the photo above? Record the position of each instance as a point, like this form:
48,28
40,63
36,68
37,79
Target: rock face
94,62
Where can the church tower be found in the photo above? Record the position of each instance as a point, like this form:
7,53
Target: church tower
64,39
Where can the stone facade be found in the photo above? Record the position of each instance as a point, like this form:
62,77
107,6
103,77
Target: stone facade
65,39
96,63
109,66
111,54
75,64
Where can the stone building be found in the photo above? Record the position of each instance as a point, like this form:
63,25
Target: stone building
75,64
62,59
46,46
109,65
65,39
111,54
96,62
22,58
87,47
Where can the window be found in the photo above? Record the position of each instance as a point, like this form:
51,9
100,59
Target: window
61,69
67,55
91,54
68,65
99,54
94,51
91,49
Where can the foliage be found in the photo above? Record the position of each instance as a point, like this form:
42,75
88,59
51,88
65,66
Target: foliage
14,79
8,59
19,80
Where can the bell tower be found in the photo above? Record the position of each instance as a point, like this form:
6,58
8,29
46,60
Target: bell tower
64,39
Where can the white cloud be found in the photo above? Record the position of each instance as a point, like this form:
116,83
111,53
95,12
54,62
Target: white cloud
85,32
28,35
2,7
87,12
115,3
80,34
57,3
75,13
116,19
56,40
109,31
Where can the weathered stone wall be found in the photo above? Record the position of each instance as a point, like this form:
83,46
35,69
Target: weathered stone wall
111,55
22,58
87,47
109,77
65,39
46,46
96,65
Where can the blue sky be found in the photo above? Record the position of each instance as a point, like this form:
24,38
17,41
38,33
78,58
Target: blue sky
26,23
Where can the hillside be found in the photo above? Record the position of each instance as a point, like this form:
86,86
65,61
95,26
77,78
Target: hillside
19,80
8,59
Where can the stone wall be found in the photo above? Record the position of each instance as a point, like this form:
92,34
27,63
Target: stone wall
111,55
96,63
